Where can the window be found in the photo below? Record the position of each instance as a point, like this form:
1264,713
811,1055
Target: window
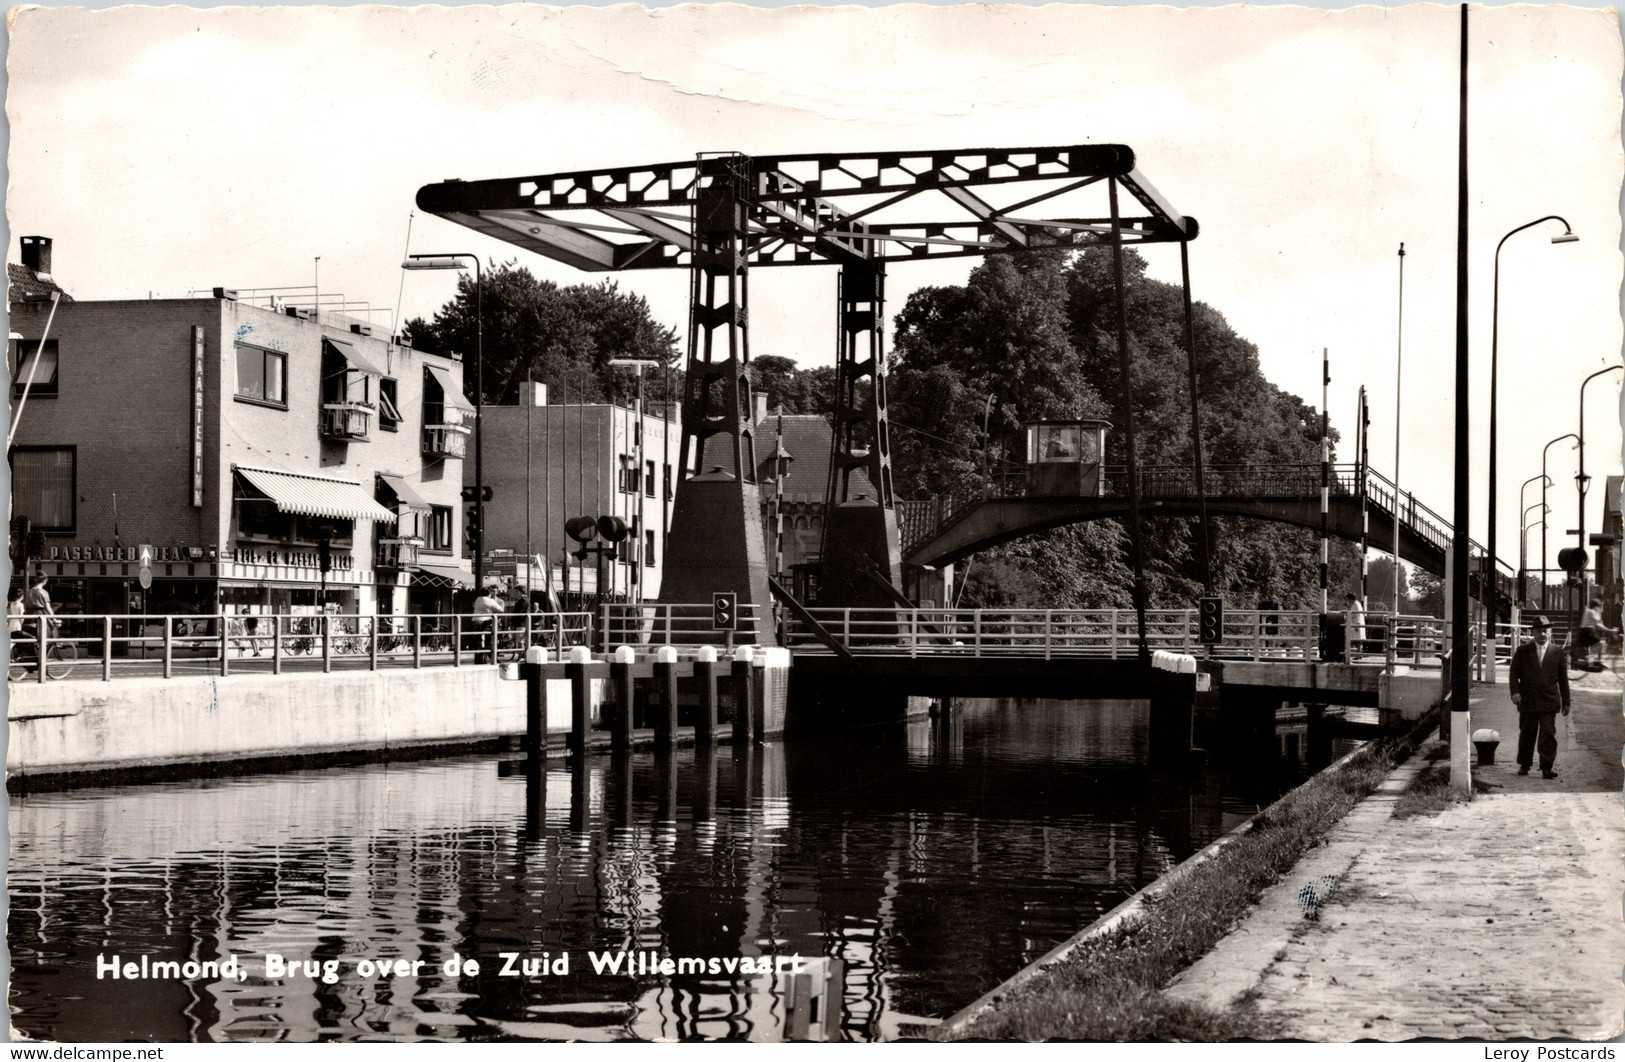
629,475
648,549
439,530
649,479
30,359
668,483
44,486
262,376
389,409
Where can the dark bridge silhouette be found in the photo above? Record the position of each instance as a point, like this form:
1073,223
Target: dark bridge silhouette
951,528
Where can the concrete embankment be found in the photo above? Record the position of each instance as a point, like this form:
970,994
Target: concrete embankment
62,729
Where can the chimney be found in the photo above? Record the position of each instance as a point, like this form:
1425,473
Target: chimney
37,254
532,393
759,399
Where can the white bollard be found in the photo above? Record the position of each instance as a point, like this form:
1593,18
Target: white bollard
666,654
536,654
626,655
579,654
706,654
745,654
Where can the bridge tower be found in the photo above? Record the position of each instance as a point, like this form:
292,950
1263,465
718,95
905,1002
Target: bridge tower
717,542
860,519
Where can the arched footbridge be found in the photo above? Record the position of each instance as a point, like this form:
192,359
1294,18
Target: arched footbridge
949,529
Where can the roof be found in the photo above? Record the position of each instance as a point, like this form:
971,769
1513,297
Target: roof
28,286
807,437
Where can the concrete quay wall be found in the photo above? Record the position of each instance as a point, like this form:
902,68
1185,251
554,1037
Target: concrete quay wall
69,727
60,728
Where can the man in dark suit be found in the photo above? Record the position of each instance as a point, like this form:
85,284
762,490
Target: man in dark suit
1539,680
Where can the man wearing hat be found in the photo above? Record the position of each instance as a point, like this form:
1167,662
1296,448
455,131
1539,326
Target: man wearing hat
1539,681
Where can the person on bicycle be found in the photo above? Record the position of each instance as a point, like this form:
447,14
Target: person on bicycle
1593,635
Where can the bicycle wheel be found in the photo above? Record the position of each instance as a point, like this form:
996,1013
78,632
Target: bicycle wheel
60,660
16,670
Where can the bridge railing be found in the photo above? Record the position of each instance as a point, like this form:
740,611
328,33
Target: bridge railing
109,646
1052,633
656,624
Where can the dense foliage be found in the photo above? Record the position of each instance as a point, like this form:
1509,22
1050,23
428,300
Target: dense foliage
1034,336
560,336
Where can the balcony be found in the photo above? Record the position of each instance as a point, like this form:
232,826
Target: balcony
350,421
445,440
398,553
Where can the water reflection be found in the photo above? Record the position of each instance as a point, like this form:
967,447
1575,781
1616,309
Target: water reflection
933,860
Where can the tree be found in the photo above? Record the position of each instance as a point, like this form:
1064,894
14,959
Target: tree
1033,336
563,337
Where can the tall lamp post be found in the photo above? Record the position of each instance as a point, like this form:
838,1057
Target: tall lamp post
1544,563
1567,236
451,261
1523,534
1582,481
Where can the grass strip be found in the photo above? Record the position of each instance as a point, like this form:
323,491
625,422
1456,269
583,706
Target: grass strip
1107,988
1430,792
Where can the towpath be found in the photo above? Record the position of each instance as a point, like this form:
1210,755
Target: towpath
1493,919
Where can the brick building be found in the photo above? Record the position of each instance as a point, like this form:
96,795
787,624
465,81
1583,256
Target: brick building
240,443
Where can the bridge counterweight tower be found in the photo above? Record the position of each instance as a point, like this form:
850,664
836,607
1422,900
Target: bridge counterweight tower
716,541
860,523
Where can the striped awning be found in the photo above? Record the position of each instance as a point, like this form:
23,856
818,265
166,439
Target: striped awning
404,492
358,361
453,390
441,574
315,495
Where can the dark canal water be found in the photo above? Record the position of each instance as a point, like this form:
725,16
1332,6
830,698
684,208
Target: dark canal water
934,862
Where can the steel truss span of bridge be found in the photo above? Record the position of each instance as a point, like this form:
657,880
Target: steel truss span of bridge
723,214
948,529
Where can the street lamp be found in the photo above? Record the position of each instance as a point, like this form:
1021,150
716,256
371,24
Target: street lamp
450,261
1567,236
1523,535
1582,480
1523,550
1548,482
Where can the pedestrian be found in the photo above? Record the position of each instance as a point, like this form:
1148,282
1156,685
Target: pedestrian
486,608
246,629
1353,620
1593,634
1539,681
15,610
38,599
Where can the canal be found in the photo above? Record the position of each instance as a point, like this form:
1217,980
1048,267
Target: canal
933,860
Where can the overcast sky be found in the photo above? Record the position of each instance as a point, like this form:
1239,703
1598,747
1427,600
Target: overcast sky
167,149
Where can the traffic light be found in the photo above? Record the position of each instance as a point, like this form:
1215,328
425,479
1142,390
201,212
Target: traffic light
1210,620
324,553
725,611
471,532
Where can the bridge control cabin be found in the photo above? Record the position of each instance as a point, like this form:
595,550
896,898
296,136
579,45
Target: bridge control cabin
1064,458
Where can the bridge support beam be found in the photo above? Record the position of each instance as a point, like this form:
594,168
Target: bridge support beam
860,519
716,541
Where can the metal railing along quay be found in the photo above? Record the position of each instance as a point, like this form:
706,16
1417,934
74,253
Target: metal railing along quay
108,647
